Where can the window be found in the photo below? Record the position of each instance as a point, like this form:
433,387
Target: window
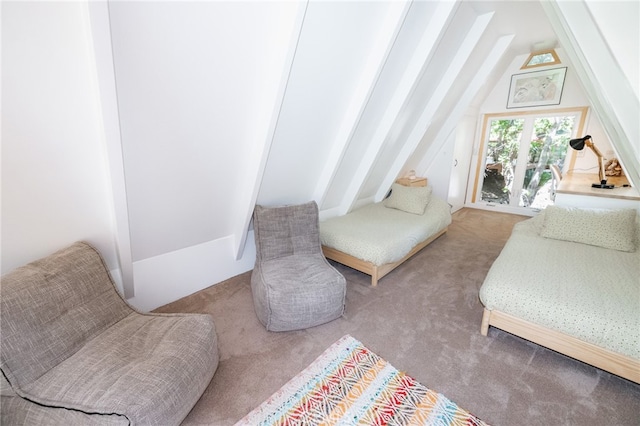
541,58
516,153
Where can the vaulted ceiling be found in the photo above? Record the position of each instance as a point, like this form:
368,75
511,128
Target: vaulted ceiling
151,129
213,107
224,104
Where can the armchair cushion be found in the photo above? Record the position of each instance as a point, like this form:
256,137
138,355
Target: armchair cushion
51,307
293,285
303,291
74,352
284,231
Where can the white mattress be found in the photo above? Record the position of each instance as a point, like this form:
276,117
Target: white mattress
587,292
379,234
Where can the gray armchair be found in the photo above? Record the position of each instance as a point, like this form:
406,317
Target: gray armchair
73,352
293,284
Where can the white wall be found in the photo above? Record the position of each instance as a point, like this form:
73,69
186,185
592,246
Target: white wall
335,44
197,86
55,186
572,96
190,79
210,106
621,33
588,38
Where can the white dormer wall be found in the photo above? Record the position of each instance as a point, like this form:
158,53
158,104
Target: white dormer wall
573,95
359,83
607,67
199,88
152,128
55,178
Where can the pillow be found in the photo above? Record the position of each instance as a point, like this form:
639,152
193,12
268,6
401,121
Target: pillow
410,199
612,229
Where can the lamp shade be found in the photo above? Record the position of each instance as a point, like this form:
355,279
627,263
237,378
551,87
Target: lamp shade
578,144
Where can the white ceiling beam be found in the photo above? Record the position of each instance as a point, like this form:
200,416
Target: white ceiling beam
381,48
99,32
481,76
606,85
437,25
249,187
449,78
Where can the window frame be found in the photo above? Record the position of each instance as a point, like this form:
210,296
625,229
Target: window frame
474,199
556,59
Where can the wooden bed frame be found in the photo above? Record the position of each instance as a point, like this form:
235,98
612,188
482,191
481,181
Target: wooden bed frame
589,353
376,272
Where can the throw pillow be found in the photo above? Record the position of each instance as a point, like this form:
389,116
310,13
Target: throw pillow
612,229
410,199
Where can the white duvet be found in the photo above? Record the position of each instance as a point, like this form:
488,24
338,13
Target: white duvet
379,234
588,292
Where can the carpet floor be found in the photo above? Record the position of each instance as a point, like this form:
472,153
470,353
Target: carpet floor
424,319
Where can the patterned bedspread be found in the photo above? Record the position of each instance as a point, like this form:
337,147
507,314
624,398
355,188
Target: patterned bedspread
590,293
380,235
350,385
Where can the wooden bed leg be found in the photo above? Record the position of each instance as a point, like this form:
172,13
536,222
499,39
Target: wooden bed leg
374,278
484,327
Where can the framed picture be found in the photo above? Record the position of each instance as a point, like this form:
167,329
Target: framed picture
537,88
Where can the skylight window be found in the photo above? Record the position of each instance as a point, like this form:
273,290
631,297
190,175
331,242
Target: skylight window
541,58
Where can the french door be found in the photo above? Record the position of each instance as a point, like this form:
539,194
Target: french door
515,156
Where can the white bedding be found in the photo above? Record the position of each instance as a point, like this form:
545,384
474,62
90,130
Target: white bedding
588,292
379,234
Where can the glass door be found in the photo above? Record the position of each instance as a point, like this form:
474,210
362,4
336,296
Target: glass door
548,146
516,154
503,146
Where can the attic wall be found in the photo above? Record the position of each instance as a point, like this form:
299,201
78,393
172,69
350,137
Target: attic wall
610,17
580,28
196,115
55,180
335,44
413,45
325,101
160,124
572,96
190,111
512,27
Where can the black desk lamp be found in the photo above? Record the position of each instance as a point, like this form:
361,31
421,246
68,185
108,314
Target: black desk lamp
578,145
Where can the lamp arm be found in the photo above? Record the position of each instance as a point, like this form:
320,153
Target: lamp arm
598,154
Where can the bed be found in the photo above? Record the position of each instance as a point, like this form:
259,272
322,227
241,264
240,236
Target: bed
377,238
569,279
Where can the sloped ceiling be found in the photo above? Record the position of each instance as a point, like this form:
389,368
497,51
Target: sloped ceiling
590,31
193,83
389,74
222,105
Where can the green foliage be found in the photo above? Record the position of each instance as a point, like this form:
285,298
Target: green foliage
549,143
504,140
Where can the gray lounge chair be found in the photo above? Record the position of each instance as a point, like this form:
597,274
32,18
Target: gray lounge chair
73,352
294,286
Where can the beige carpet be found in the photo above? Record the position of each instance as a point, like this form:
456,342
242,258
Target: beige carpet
424,319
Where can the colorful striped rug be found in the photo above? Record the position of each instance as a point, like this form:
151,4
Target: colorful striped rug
350,385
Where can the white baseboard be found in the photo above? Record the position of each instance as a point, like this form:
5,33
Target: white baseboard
163,279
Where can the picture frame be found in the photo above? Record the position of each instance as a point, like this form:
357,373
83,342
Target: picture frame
536,88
